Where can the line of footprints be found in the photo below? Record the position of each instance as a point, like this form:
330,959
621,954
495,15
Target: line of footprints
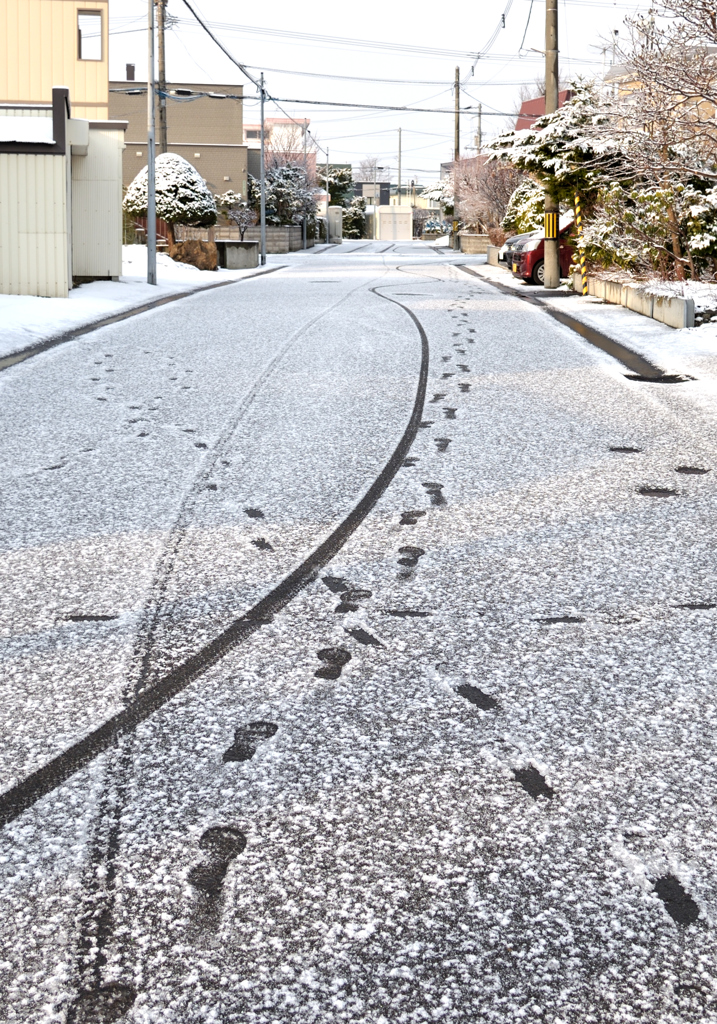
222,844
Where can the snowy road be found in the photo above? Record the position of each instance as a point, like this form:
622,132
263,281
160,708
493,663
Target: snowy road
467,773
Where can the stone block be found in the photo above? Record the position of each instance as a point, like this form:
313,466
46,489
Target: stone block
202,255
638,301
236,255
673,311
473,244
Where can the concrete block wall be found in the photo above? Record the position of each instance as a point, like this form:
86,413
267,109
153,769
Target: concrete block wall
670,310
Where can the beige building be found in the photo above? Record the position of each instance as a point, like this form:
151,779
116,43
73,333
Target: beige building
204,125
48,43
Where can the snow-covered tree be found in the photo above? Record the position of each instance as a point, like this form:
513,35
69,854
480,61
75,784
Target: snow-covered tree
340,183
355,218
288,195
182,195
442,192
572,151
525,209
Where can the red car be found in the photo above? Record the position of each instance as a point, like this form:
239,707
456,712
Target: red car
527,257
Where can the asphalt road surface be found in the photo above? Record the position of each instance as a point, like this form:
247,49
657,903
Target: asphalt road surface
357,632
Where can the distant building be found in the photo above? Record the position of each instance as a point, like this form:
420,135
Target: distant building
284,139
531,110
204,125
366,189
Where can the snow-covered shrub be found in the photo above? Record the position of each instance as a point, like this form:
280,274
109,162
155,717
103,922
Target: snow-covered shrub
525,209
648,228
288,195
182,195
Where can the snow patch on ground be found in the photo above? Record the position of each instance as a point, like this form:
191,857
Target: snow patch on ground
29,319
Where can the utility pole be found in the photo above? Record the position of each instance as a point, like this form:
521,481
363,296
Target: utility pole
456,156
457,125
262,175
375,204
151,197
162,78
479,136
399,166
328,237
306,172
551,264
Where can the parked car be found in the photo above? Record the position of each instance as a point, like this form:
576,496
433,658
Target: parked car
527,260
506,250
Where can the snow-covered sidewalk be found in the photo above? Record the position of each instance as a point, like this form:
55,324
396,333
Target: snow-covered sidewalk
692,350
28,320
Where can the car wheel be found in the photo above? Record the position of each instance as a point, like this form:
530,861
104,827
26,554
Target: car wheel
538,275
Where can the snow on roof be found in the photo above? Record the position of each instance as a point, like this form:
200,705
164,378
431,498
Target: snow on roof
26,129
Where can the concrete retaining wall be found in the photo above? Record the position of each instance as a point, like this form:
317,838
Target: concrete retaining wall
473,244
670,310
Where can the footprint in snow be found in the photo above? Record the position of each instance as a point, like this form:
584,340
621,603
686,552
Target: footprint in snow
222,844
334,659
533,782
246,740
262,544
476,696
364,637
434,491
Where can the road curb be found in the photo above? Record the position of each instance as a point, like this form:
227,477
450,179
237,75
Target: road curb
76,332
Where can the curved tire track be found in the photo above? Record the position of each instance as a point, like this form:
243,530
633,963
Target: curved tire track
18,798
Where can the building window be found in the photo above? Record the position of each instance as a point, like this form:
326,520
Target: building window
89,35
253,135
130,72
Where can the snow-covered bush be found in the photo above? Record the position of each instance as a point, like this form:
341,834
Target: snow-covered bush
288,195
525,209
182,195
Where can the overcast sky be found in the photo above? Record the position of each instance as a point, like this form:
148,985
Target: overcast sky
421,45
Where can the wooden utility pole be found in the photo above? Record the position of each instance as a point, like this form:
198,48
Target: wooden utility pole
551,265
262,175
151,195
456,155
162,77
457,125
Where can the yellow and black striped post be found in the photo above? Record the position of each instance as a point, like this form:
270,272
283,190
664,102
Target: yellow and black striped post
551,225
579,225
